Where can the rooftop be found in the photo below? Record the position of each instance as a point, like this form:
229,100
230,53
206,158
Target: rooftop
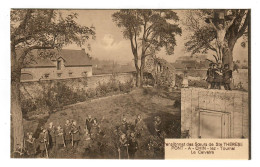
71,58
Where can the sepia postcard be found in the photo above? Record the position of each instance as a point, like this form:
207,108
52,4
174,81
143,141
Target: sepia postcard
130,83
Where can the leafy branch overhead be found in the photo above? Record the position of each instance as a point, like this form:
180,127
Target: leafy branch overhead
149,29
45,29
200,41
217,31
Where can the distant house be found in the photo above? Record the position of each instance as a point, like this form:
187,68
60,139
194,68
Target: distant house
178,66
191,62
58,65
110,67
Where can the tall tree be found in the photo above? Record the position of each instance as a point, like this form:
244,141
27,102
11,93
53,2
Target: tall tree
216,30
148,31
37,29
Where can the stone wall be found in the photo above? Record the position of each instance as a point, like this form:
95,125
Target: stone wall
35,89
51,73
195,100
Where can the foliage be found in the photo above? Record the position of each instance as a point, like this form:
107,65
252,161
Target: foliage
91,93
53,98
206,32
114,86
239,86
159,72
126,87
178,80
148,32
158,32
57,95
200,41
37,27
164,79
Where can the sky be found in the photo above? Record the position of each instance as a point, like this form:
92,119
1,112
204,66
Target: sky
110,44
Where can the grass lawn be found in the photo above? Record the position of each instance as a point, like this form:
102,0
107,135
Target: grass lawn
148,102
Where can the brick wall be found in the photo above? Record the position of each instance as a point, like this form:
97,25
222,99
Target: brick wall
194,100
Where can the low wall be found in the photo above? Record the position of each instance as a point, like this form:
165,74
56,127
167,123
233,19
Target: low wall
193,72
240,78
232,103
35,89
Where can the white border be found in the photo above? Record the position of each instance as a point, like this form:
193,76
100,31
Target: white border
114,4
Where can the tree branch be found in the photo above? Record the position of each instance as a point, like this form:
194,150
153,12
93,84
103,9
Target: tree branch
211,47
135,36
24,54
210,60
147,55
230,23
23,39
147,47
22,25
213,25
245,25
215,58
132,45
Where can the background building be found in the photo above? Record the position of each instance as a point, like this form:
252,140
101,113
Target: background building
60,65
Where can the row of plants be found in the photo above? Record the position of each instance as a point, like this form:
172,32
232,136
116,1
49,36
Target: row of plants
55,96
112,87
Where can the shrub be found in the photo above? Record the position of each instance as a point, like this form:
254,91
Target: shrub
103,89
178,80
126,87
91,93
198,83
81,95
114,86
27,105
54,97
57,94
239,86
165,79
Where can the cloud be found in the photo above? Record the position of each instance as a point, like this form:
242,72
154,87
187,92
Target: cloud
109,48
108,40
109,43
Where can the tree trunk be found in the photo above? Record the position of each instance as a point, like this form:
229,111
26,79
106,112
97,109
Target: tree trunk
138,79
142,70
17,133
226,57
228,53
